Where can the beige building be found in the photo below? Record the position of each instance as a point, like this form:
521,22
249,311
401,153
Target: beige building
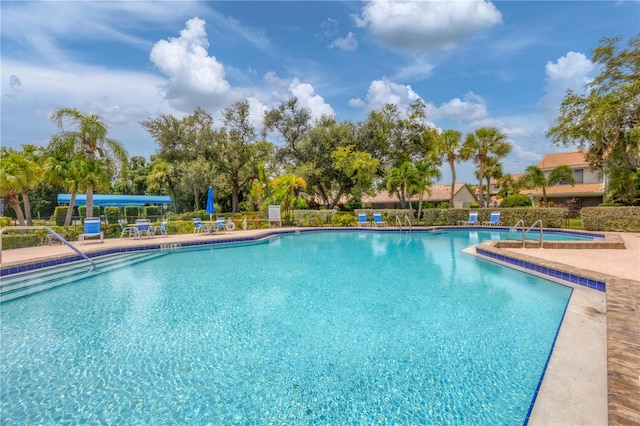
589,188
462,198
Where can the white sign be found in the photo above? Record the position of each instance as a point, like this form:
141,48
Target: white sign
274,215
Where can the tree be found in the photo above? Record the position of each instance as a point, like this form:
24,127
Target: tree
359,168
286,192
90,137
449,144
508,185
292,122
401,180
238,151
70,174
426,172
534,177
481,144
606,118
10,181
26,173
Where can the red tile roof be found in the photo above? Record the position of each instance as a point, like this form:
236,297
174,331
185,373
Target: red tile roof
571,159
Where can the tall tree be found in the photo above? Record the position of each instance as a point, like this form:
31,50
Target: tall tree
426,173
478,146
10,181
239,151
449,144
89,137
70,173
605,118
534,177
292,122
400,181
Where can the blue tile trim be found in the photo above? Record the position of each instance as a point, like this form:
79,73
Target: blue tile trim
546,364
576,279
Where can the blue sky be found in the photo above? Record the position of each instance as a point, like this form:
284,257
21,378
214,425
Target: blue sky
474,63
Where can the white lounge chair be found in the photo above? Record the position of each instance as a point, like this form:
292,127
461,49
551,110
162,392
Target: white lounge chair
143,226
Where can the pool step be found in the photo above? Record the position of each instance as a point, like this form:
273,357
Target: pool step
23,284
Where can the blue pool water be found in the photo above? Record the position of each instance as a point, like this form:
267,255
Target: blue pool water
321,328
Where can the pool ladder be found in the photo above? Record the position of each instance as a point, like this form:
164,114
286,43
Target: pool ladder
514,228
407,221
50,231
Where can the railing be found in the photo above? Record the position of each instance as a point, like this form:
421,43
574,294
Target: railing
407,221
50,231
514,228
537,222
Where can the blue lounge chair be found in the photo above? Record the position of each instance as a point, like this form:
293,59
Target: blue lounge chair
219,224
91,229
362,220
473,219
377,220
161,229
199,227
494,220
143,226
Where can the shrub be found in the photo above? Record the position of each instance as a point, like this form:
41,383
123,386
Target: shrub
13,241
344,219
83,211
112,214
59,214
313,217
516,200
131,213
152,212
611,219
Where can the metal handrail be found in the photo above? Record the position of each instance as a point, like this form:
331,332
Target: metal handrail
514,228
406,219
539,221
399,222
52,232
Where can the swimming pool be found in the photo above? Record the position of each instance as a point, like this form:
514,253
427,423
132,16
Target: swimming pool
339,328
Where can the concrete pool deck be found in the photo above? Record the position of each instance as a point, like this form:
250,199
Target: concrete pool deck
593,376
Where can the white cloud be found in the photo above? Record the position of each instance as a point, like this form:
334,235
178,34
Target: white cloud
382,92
357,103
571,71
308,98
195,78
348,43
471,107
419,69
121,98
427,25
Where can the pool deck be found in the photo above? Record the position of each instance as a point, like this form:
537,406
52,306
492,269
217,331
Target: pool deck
593,376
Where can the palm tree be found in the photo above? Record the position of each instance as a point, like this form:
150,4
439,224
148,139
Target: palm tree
286,191
90,137
479,145
10,182
535,178
449,144
426,172
400,179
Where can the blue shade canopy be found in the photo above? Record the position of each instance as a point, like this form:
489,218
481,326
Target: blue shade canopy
116,200
210,207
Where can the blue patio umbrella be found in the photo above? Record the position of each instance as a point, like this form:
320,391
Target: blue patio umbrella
210,207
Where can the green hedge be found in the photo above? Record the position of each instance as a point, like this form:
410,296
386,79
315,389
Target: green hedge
82,210
59,214
14,241
611,219
551,217
112,214
389,215
313,217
